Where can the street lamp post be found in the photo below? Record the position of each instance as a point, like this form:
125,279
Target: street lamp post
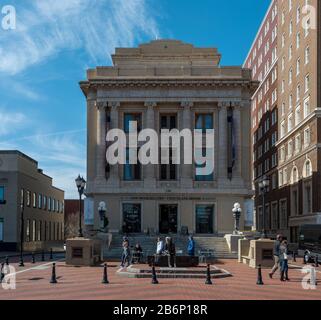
21,264
80,183
264,185
237,215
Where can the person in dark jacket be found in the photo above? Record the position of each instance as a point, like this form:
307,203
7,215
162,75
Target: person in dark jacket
171,252
276,255
191,247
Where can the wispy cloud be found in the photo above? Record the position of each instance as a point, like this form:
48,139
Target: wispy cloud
10,121
46,28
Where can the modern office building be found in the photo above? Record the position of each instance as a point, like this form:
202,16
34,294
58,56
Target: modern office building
22,182
293,198
168,84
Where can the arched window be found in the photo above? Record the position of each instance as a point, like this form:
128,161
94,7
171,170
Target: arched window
295,175
307,170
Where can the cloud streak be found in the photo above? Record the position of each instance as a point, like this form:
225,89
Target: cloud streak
48,27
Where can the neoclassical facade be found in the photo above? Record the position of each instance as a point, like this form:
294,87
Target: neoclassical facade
167,84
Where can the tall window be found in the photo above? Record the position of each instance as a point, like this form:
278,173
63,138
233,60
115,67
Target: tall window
168,121
131,171
275,216
132,117
39,201
28,230
306,108
131,218
28,198
204,121
34,200
34,230
307,83
39,231
307,55
307,137
307,198
283,215
2,200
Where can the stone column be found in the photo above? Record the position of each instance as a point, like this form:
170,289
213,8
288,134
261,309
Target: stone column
114,178
238,139
187,173
101,142
222,144
149,170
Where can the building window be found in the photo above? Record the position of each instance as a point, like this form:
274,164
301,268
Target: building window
131,171
39,201
275,216
274,181
307,83
307,198
298,40
298,65
306,107
307,137
298,93
204,122
45,202
290,149
34,200
2,199
204,175
39,231
294,198
168,121
283,129
49,204
28,230
274,160
28,198
307,55
34,230
53,203
132,117
131,218
283,215
280,178
290,122
307,170
295,175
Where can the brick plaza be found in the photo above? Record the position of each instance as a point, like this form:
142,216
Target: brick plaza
84,283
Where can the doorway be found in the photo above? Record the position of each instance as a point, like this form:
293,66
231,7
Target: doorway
168,218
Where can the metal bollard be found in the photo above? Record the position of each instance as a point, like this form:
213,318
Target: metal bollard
33,260
105,278
259,281
53,274
208,275
154,276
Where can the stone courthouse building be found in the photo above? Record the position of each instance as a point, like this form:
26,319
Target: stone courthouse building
169,84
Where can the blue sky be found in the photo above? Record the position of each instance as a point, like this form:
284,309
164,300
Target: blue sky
42,109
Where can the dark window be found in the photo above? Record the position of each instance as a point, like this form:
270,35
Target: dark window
168,171
28,198
131,171
132,117
204,219
28,230
2,200
39,201
168,121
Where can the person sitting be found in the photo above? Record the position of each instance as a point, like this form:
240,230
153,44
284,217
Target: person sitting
170,251
138,253
191,247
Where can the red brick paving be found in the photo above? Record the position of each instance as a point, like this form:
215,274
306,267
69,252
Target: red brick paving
83,283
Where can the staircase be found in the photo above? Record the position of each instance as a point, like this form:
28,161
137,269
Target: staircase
148,243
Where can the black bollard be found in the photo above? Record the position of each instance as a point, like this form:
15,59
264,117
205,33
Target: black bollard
154,276
259,276
51,255
33,260
42,256
208,275
7,260
316,261
105,278
1,272
294,257
53,274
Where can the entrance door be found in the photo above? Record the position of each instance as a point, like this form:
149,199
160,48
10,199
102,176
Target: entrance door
204,219
168,218
131,218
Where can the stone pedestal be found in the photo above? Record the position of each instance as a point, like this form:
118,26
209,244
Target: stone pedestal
233,241
82,252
